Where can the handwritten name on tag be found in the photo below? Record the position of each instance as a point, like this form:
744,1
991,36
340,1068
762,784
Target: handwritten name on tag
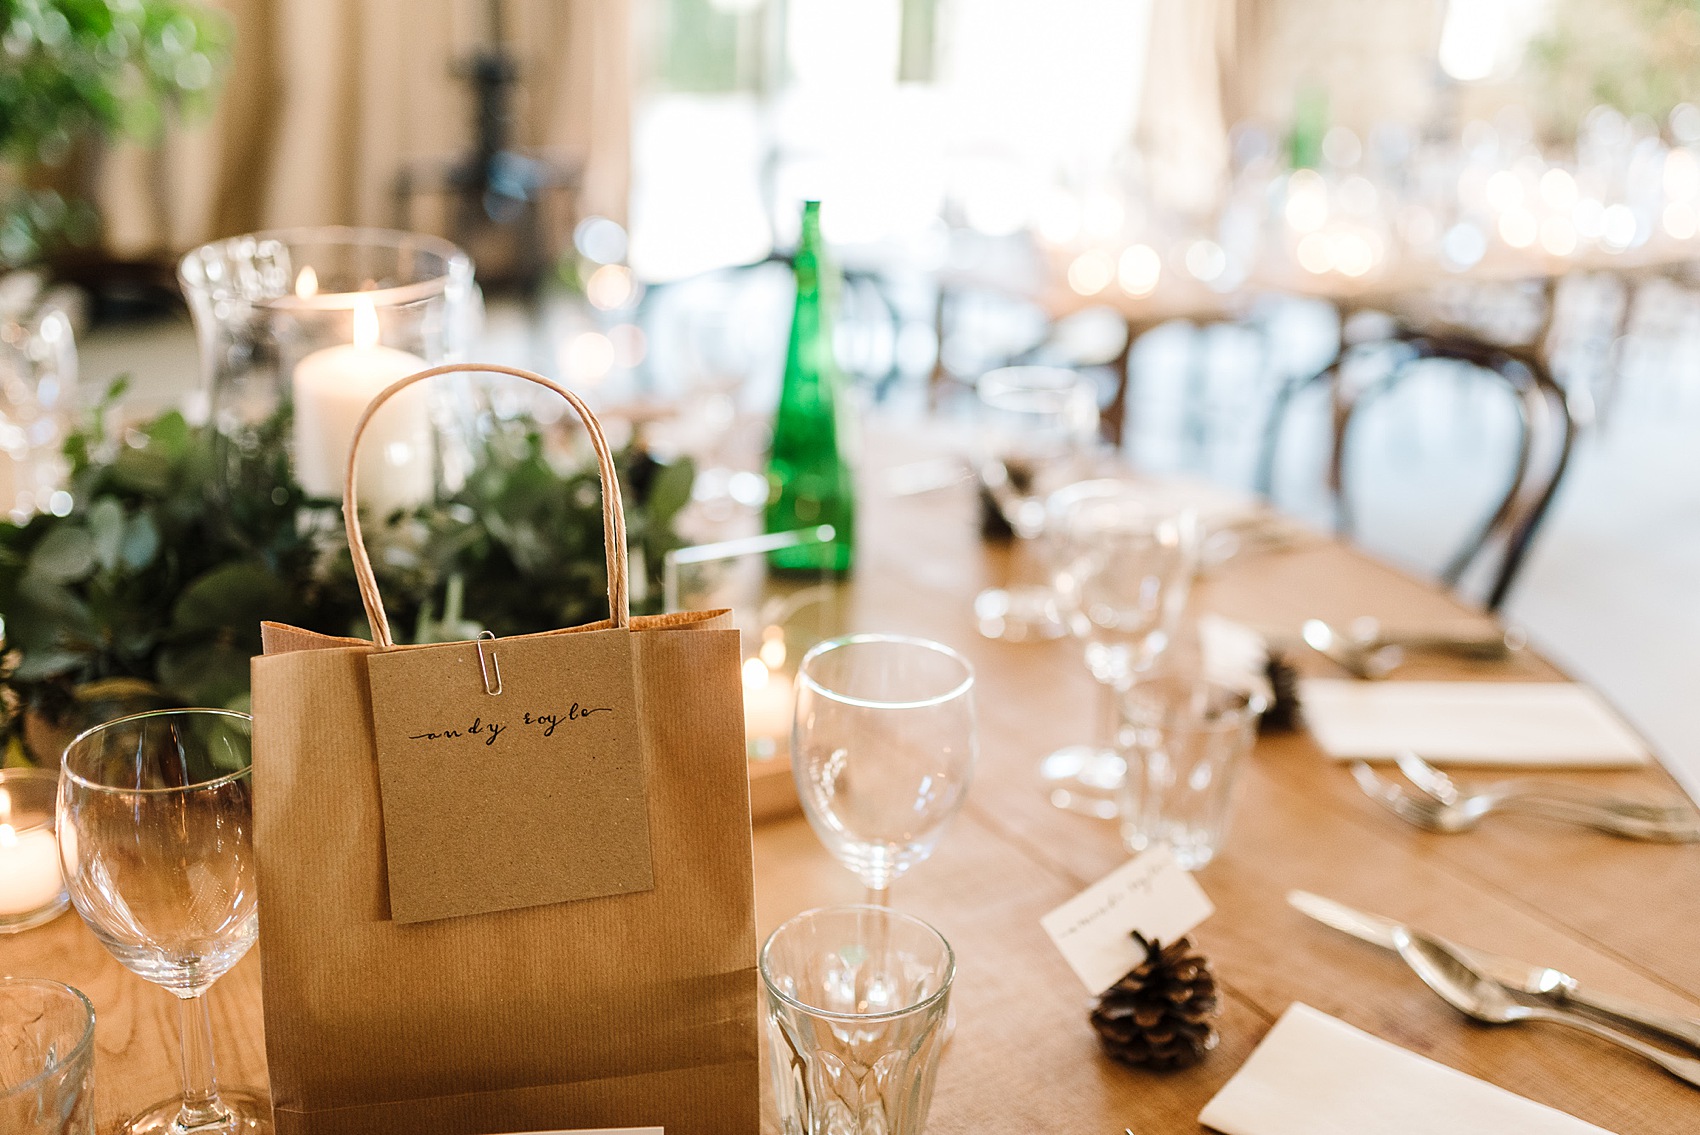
525,797
490,730
1149,893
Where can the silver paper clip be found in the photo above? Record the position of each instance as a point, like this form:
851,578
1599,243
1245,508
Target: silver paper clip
488,663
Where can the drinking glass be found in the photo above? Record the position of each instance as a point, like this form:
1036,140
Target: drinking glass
857,1004
156,841
1124,560
46,1056
1036,428
1183,739
882,748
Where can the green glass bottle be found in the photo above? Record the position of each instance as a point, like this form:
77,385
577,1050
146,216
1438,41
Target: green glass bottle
809,478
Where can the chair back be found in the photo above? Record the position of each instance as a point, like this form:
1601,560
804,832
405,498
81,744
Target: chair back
1544,435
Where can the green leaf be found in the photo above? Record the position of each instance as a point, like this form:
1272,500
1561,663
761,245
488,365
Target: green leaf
204,674
234,598
669,492
38,665
65,555
106,529
146,471
141,542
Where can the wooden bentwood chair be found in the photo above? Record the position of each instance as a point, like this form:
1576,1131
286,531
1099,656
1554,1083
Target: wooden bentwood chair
1546,432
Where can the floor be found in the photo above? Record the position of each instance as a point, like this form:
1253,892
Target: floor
1608,592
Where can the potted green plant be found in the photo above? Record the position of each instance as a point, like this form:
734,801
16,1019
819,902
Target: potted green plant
75,74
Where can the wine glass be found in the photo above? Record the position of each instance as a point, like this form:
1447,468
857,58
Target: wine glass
1123,563
156,841
1036,426
882,747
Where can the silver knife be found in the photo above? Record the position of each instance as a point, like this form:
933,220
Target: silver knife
1544,982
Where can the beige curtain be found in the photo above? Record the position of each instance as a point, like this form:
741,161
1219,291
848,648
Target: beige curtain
1182,132
325,102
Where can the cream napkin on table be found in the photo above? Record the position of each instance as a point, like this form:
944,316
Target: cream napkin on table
1524,724
1316,1075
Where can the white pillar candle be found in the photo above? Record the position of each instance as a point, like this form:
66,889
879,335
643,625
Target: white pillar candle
332,388
29,866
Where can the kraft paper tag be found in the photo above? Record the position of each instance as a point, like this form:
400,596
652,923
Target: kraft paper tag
1149,893
530,796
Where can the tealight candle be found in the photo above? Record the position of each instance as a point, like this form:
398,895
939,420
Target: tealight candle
32,890
768,697
332,388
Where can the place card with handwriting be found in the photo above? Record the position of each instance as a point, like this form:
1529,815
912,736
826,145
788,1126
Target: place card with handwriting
499,800
1150,893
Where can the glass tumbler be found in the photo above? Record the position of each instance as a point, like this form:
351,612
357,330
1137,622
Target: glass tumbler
857,1000
46,1059
1183,739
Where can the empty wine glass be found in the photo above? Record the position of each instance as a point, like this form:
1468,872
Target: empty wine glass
1037,425
882,748
156,841
1123,561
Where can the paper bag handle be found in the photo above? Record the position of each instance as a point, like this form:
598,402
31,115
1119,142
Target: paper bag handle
613,512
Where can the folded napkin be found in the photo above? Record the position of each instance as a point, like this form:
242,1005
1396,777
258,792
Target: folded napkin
1316,1075
1529,724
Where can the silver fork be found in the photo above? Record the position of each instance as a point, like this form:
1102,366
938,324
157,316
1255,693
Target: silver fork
1437,816
1444,789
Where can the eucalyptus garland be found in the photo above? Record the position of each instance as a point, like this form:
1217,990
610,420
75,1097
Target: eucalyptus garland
179,542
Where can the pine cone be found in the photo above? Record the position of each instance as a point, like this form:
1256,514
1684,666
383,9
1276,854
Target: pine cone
1162,1013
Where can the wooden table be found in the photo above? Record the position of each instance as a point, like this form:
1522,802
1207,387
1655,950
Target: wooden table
1617,915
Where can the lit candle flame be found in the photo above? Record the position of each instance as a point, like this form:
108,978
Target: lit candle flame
307,283
365,324
756,674
8,837
773,647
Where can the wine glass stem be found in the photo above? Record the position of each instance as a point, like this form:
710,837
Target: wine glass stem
201,1105
879,896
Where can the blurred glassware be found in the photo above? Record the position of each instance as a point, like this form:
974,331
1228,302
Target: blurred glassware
38,386
1183,739
882,749
857,1008
317,321
1037,425
1124,562
32,889
156,841
46,1059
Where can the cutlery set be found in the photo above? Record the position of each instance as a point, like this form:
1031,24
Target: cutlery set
1498,990
1490,988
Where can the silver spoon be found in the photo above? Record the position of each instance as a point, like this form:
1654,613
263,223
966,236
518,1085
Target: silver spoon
1478,996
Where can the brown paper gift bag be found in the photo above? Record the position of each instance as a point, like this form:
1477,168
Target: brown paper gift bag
506,885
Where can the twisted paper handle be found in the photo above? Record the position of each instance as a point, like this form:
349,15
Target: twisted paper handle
613,512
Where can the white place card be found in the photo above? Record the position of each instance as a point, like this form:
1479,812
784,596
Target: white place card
1523,724
1314,1074
1150,893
